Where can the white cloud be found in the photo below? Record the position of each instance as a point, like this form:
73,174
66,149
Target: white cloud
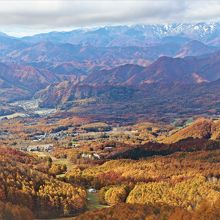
30,16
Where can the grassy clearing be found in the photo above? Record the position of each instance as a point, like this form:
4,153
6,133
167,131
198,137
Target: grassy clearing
93,202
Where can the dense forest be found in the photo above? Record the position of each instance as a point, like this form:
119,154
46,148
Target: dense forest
26,184
160,212
173,175
187,182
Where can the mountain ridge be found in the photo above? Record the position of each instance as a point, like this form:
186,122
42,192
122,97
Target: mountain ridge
198,31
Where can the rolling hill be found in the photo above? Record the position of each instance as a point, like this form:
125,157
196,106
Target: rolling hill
202,128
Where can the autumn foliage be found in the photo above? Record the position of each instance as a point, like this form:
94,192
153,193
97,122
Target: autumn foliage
31,189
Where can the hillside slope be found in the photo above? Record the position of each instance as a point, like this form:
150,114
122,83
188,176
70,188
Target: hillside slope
201,128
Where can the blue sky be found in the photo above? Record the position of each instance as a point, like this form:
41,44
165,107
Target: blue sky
34,16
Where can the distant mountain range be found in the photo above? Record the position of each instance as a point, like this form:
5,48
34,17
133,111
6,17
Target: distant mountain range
86,43
137,35
119,68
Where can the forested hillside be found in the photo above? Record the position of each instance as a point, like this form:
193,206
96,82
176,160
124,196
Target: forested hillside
27,188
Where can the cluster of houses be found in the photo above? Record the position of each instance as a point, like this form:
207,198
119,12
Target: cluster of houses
38,148
58,135
91,156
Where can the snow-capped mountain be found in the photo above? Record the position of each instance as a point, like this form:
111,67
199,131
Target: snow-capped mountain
134,35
